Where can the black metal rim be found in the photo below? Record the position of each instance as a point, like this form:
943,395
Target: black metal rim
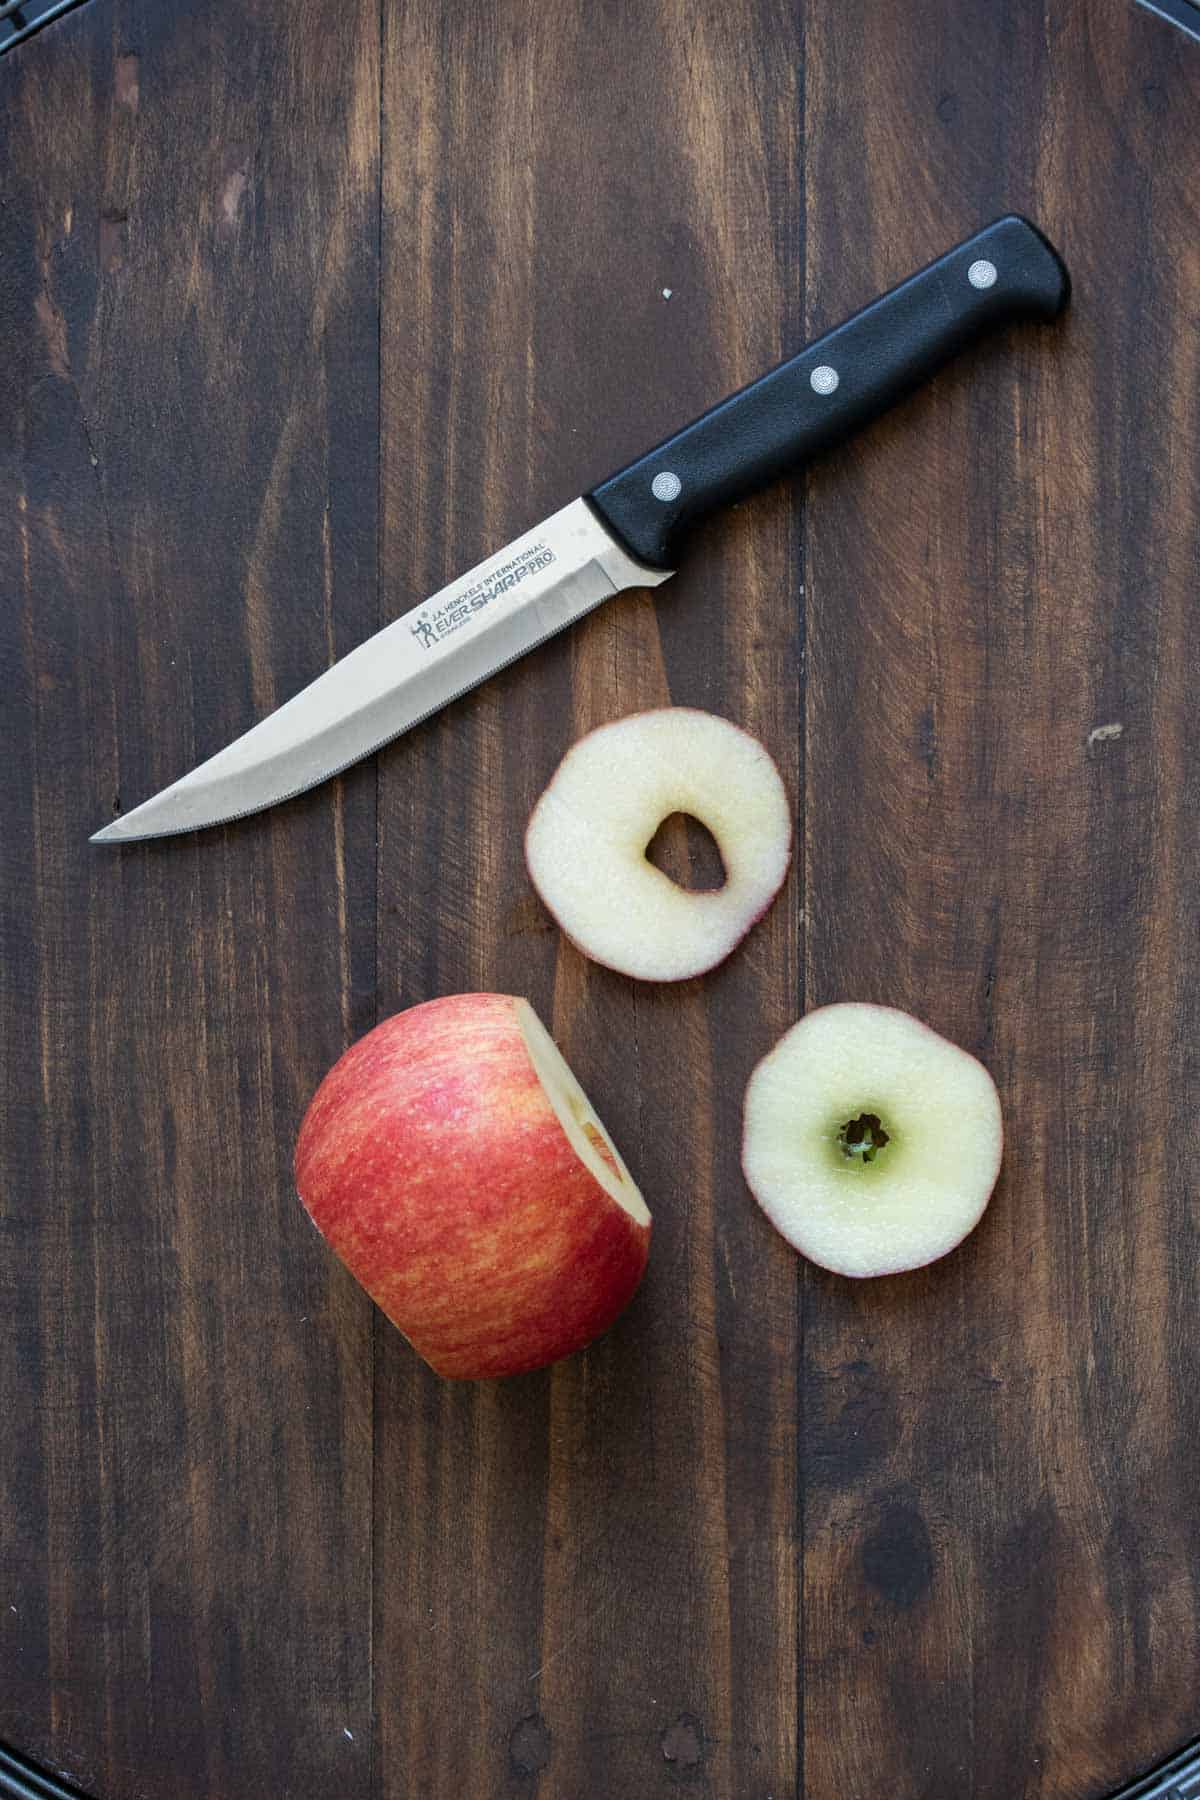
22,1780
1184,13
19,19
1178,1779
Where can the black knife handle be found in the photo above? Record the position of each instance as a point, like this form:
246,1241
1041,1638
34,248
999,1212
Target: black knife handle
1006,272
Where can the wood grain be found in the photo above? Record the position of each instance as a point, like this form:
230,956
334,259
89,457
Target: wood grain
1001,1532
189,321
298,321
621,1531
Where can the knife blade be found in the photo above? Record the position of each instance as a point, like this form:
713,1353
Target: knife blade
628,532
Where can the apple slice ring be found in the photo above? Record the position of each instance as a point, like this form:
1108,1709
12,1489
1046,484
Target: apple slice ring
586,844
871,1143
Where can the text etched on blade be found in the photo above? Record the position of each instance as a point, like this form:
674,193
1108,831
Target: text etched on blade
433,625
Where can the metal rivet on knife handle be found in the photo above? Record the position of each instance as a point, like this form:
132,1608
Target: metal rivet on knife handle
1005,273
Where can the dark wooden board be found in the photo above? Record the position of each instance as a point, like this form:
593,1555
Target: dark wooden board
190,324
302,310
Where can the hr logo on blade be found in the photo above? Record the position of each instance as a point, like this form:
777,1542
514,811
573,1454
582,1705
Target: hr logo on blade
433,625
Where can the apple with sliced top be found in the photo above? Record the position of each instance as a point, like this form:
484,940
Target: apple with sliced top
871,1143
586,844
453,1162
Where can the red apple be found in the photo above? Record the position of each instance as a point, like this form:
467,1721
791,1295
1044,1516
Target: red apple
452,1161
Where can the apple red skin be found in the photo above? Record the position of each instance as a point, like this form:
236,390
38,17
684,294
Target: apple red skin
433,1163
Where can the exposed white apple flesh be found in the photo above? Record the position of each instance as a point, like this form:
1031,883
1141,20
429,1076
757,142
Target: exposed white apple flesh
588,835
869,1141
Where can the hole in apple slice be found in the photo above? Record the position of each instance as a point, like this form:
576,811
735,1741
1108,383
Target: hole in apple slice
685,850
588,1138
863,1138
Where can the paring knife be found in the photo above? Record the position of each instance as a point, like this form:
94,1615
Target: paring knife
626,533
